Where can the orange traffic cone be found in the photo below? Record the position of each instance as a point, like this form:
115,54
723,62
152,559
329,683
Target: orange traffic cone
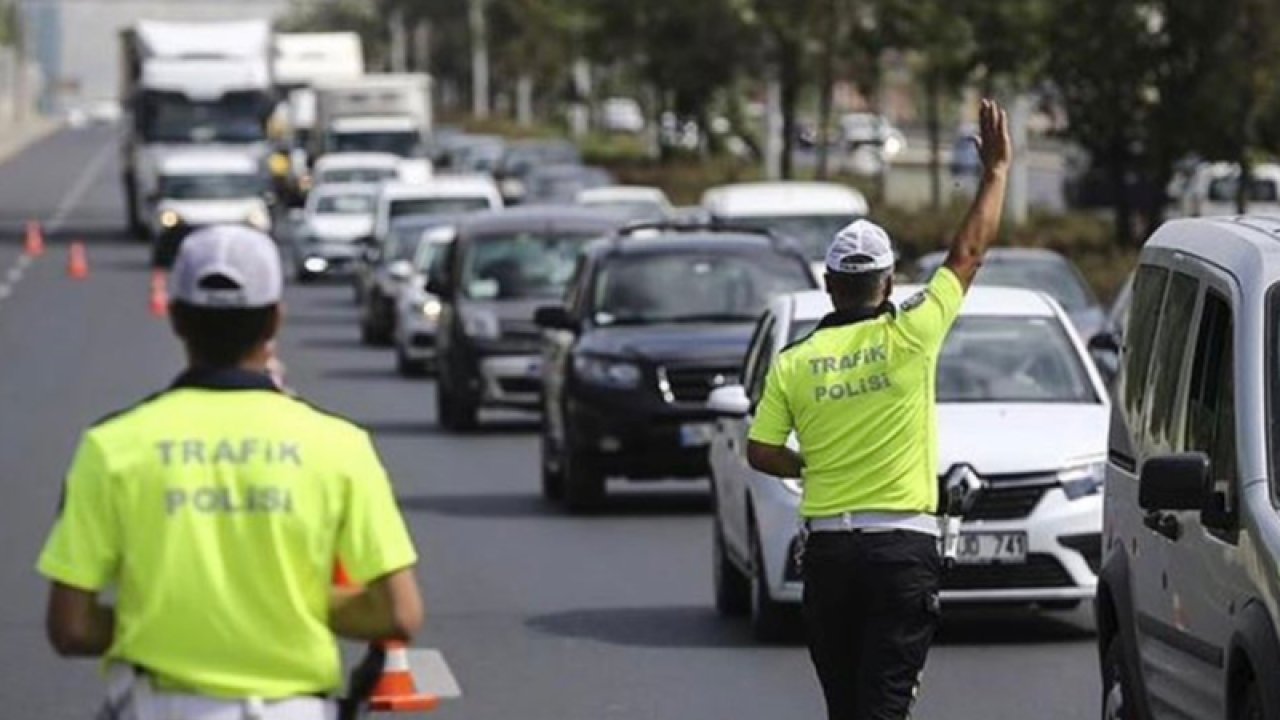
396,691
77,262
159,301
33,244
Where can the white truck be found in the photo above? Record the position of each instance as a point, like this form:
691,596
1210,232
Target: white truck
376,113
302,61
191,84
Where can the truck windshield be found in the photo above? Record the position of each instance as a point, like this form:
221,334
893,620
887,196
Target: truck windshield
521,265
211,187
437,206
685,287
174,118
402,143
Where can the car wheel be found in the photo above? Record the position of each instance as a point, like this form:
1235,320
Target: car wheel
552,470
305,278
583,481
733,588
407,366
771,621
1251,704
1114,706
454,413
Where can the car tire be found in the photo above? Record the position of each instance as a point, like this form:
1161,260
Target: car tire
454,413
552,469
583,480
1115,687
372,335
1251,704
771,621
407,366
304,277
732,587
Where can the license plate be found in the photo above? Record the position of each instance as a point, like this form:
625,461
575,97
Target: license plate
695,434
994,548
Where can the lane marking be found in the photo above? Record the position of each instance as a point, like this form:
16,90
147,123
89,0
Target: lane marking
15,274
4,291
77,192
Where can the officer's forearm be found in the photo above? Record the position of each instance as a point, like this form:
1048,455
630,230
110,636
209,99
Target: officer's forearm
980,227
776,460
389,608
77,624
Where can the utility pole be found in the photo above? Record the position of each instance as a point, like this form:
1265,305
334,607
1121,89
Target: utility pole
399,41
479,59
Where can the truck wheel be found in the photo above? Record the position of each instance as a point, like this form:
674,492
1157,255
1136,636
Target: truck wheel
771,621
1114,706
132,219
733,589
1251,704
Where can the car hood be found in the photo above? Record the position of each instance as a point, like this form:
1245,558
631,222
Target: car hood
1015,438
339,227
711,343
207,212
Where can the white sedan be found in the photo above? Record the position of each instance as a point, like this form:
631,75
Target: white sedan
1019,404
332,228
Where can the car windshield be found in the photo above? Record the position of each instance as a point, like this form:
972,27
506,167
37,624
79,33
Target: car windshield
813,233
1261,190
520,160
701,286
402,143
230,186
520,265
357,175
564,187
1049,275
351,204
173,118
1011,359
437,206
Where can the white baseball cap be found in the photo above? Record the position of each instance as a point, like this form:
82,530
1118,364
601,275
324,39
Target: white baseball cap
862,246
227,266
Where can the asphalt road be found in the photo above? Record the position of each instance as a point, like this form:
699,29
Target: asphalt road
541,615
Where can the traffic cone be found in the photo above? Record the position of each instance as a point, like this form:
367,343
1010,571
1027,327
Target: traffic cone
77,262
33,245
159,301
396,691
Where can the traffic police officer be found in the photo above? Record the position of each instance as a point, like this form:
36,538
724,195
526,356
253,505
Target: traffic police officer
216,509
859,395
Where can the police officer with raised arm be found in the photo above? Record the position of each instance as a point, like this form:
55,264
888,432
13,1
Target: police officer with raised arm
859,395
216,511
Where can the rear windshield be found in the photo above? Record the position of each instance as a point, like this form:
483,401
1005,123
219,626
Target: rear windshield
812,233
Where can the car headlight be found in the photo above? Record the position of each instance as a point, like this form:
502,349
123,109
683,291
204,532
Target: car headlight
170,219
258,219
481,324
431,309
607,372
1083,480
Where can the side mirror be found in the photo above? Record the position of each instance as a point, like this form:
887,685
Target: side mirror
729,401
401,270
1175,482
554,317
1105,341
438,284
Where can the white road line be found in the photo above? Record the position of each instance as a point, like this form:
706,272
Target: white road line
4,291
76,194
23,261
15,274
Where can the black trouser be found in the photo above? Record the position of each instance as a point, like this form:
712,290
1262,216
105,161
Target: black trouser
870,611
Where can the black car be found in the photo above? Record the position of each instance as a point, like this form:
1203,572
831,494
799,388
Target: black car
501,266
519,159
657,317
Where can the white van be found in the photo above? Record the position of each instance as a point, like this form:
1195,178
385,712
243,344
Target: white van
810,213
1213,188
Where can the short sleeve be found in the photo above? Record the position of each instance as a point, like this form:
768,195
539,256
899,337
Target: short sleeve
373,540
83,549
926,317
773,419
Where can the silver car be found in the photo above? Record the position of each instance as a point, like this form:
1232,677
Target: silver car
417,309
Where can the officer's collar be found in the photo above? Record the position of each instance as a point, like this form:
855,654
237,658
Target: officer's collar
840,318
231,378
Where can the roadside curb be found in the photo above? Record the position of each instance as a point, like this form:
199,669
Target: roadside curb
16,138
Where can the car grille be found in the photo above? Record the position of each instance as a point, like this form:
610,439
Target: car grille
520,386
423,340
1040,571
694,385
1005,503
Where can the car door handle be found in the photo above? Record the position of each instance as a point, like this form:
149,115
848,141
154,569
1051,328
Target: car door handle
1166,524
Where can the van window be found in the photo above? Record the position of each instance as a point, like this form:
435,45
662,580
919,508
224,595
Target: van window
1210,400
1164,425
1148,292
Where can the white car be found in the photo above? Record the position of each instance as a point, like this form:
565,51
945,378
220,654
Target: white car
1213,187
444,195
355,167
417,310
332,227
1019,403
206,187
635,202
810,213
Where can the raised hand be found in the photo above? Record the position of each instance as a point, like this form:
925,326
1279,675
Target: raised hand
994,146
